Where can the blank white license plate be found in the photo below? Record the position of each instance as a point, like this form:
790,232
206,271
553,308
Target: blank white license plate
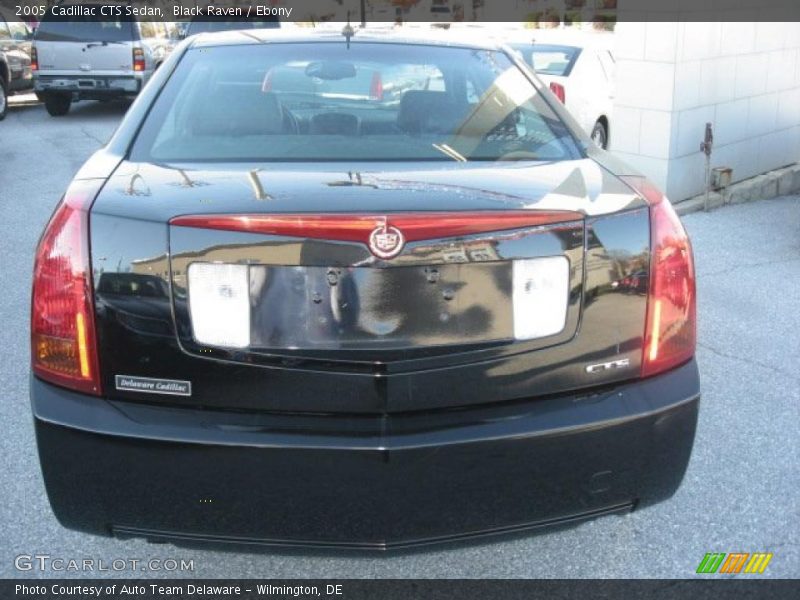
540,297
219,304
391,307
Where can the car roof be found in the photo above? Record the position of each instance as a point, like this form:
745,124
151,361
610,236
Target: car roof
566,38
332,34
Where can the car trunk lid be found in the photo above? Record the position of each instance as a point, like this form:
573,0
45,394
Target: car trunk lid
365,330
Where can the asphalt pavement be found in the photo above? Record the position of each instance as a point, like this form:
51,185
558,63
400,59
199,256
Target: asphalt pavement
741,492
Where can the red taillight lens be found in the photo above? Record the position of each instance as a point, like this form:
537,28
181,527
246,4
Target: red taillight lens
357,228
138,59
376,87
34,59
559,91
671,329
63,343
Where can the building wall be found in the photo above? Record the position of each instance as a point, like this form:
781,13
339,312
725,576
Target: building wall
672,78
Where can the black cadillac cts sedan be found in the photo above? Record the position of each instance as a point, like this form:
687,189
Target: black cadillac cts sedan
367,293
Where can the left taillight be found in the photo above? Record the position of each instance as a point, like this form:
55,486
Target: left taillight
63,341
138,59
671,325
34,59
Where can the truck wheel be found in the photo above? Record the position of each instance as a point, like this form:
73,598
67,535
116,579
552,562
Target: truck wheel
57,104
3,99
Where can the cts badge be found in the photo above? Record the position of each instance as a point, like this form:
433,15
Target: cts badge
609,366
386,241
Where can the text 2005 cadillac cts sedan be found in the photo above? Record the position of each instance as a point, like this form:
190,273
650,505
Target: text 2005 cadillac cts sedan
357,293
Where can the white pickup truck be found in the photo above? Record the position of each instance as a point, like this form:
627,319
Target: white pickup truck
88,56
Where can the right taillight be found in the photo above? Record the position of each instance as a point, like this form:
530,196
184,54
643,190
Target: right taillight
559,91
376,87
63,343
138,59
671,325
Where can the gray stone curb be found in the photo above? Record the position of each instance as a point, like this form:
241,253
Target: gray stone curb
780,182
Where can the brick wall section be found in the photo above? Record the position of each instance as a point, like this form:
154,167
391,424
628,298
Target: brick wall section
672,77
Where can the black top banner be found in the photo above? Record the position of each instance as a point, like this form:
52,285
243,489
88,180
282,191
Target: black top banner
533,13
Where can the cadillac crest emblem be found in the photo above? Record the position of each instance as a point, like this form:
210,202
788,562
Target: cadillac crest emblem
386,241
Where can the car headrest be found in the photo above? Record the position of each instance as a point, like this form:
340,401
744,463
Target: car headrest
424,111
234,110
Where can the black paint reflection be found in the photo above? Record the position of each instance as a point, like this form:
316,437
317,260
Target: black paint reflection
137,302
361,308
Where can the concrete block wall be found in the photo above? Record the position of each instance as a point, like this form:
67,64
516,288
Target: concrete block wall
673,77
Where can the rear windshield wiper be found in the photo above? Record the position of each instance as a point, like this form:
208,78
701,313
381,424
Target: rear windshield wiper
104,43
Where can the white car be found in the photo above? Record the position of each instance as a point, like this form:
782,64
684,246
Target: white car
580,72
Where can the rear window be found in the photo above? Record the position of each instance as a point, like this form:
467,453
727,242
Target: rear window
211,24
85,28
550,60
368,102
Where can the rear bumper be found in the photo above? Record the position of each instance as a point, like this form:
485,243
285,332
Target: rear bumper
362,482
89,86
